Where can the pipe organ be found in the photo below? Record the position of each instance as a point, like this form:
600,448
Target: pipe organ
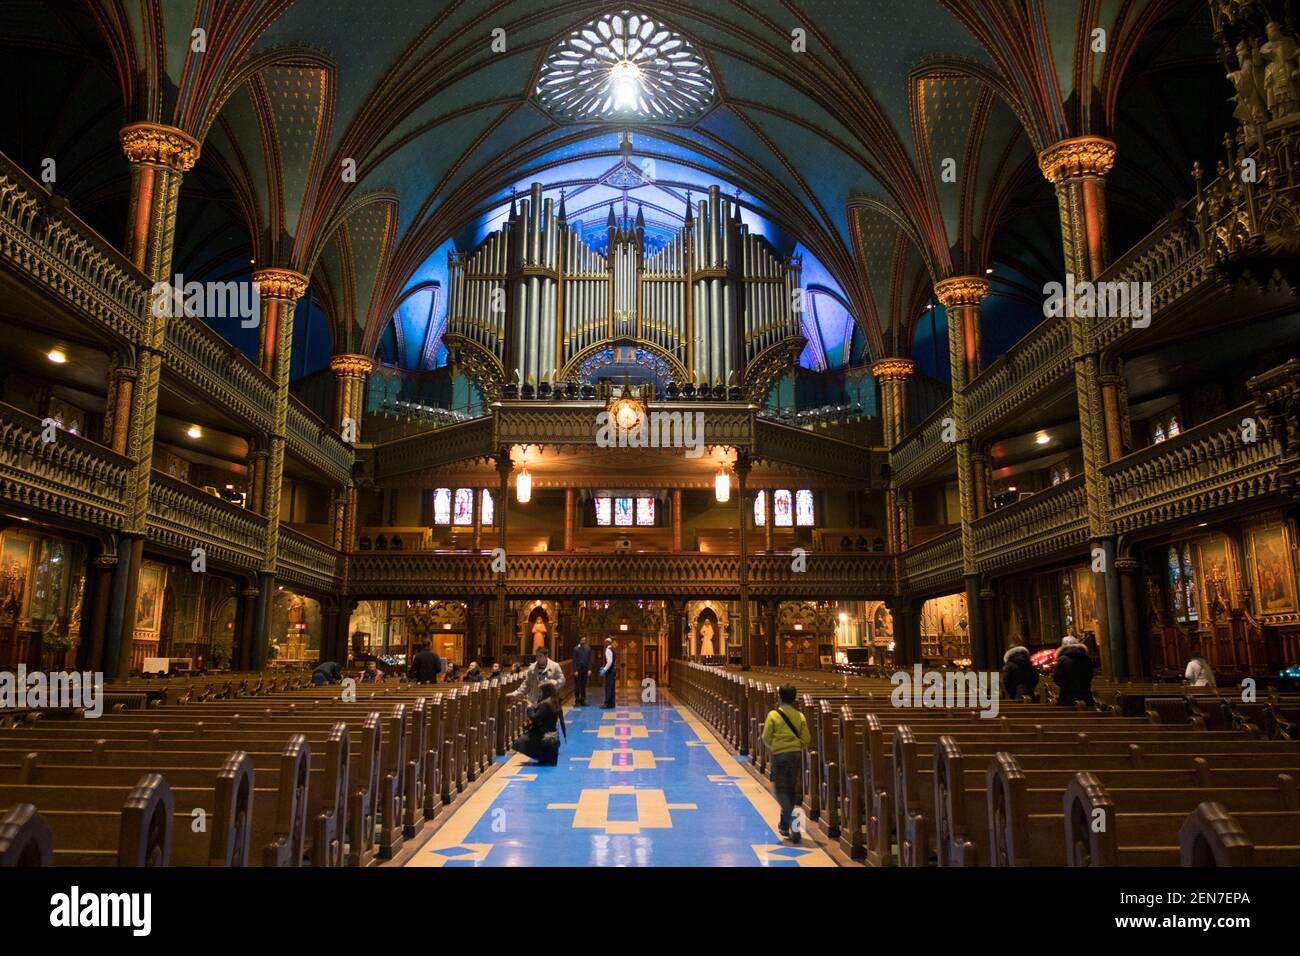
537,299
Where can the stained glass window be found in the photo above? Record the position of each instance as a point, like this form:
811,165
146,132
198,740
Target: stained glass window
760,509
645,511
1182,584
442,506
782,508
1189,583
603,506
803,507
464,506
487,507
623,512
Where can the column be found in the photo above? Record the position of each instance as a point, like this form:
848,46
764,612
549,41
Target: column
1077,169
102,588
474,620
568,519
351,372
159,156
892,374
246,624
769,525
677,521
1128,569
980,472
742,467
961,297
478,518
770,609
279,290
504,467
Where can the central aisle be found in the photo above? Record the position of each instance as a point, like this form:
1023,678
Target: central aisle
644,785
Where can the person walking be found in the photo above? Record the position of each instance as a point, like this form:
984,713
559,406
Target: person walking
607,672
581,669
786,735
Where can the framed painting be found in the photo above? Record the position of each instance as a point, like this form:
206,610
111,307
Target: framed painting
149,599
15,568
1215,573
1272,569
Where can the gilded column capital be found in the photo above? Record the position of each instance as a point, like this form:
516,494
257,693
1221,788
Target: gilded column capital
961,290
893,368
1127,565
159,144
1080,156
277,283
350,365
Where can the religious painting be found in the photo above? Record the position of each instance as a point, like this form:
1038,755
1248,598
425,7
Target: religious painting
1271,568
1214,560
149,599
15,563
1085,602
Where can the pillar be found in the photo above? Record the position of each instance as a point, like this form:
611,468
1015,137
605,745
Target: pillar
504,467
892,374
568,519
677,521
1077,169
102,590
770,609
1128,569
742,467
159,156
478,517
769,524
980,473
351,372
961,297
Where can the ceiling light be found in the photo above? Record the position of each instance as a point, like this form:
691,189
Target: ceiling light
57,356
988,271
722,486
195,432
1043,438
524,487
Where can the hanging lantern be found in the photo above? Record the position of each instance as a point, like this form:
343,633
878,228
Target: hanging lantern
524,487
626,413
722,486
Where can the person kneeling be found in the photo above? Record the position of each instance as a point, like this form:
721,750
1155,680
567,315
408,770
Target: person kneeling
540,741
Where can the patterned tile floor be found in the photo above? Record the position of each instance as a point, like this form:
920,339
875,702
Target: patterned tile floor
644,785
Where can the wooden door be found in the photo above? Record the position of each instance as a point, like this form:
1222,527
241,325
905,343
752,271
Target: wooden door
651,659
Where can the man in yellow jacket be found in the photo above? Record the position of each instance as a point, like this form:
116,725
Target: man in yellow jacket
785,732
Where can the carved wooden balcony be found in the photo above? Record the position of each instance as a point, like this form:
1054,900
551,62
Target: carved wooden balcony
415,574
53,250
1036,529
214,368
304,562
923,449
70,477
316,443
1035,365
182,517
934,566
1204,470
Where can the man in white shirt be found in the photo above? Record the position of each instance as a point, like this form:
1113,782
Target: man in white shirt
607,672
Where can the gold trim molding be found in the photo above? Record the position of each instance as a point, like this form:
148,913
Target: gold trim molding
163,145
893,368
1080,156
275,283
961,290
352,365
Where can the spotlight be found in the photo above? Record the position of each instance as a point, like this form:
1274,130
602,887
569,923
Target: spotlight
57,356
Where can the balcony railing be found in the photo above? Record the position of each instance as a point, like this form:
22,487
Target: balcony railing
70,476
1033,366
182,518
213,367
317,444
1207,468
47,245
620,575
934,565
303,561
923,448
1036,528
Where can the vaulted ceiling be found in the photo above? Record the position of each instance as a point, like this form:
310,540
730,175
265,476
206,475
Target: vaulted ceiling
834,121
